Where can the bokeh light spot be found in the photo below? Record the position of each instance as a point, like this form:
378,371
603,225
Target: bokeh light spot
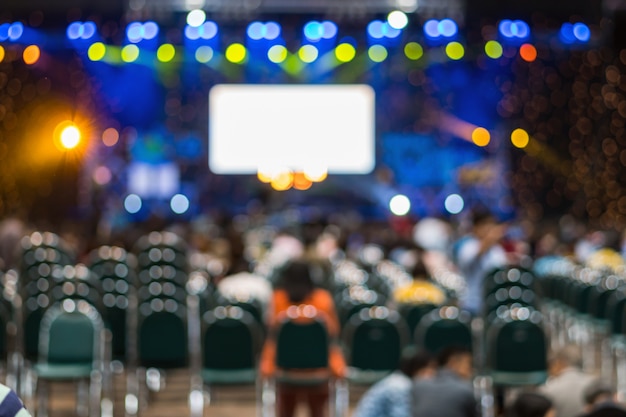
399,205
204,54
377,53
130,53
31,54
166,52
455,51
1,53
236,53
110,137
528,52
179,203
132,203
308,53
397,19
493,49
196,18
301,182
102,175
344,52
277,54
282,181
413,51
454,204
481,136
96,51
520,138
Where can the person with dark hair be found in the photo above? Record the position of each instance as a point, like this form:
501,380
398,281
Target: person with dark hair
391,396
10,404
449,393
531,404
600,401
296,288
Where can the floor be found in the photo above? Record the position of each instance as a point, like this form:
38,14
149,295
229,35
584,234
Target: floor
172,399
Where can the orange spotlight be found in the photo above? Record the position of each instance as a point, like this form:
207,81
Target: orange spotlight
481,136
67,135
31,54
528,52
301,182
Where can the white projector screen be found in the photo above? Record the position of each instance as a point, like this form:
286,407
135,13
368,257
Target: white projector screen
294,127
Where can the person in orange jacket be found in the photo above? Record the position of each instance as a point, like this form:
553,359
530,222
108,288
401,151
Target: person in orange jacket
296,288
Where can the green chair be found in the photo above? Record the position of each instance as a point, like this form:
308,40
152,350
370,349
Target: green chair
162,336
374,339
71,349
444,327
413,313
516,349
230,343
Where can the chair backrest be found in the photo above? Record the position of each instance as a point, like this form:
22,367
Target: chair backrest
230,340
375,339
71,333
162,339
413,313
517,348
302,340
444,327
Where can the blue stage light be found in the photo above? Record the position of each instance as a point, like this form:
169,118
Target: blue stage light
134,32
504,27
567,33
431,28
89,30
192,33
329,29
150,30
520,29
313,31
15,31
376,29
581,32
255,31
390,32
272,31
447,28
208,30
74,30
4,31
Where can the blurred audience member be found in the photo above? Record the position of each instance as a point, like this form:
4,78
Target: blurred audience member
477,254
600,401
531,404
449,393
421,290
567,381
391,396
297,289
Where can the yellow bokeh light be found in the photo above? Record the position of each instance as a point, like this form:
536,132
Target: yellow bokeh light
308,53
316,174
97,51
1,53
277,54
70,137
377,53
204,54
236,53
31,54
282,181
520,138
166,52
455,51
493,49
110,137
413,51
345,52
130,53
301,182
481,136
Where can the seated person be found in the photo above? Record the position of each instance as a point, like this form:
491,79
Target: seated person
600,401
531,404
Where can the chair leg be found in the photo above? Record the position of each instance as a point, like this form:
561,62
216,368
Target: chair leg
267,398
97,406
196,403
42,395
131,400
82,398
